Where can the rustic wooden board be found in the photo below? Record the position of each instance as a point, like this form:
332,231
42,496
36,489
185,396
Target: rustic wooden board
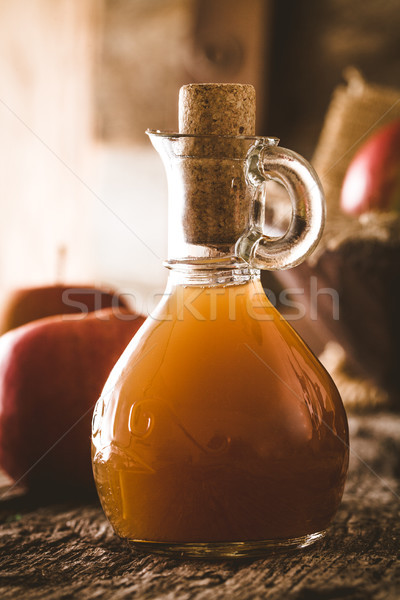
66,549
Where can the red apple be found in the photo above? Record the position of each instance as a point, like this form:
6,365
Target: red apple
372,180
29,304
51,373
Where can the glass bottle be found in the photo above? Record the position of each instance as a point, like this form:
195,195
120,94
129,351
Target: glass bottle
218,432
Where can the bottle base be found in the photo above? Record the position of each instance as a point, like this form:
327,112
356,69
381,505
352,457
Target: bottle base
216,550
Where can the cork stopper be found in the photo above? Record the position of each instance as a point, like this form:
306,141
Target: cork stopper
217,199
217,109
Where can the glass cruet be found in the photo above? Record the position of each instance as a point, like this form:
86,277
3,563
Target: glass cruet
218,432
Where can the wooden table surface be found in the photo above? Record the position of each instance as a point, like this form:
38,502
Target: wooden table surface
66,549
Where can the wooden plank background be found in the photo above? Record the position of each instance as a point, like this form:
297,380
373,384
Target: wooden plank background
64,549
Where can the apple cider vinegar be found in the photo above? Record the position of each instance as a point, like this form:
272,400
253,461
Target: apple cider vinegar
218,433
218,424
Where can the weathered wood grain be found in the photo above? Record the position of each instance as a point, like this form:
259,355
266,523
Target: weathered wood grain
66,549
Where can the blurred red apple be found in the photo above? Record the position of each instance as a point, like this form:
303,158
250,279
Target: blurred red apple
372,180
29,304
51,373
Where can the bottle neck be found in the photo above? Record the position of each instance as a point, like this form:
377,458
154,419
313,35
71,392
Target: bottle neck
210,202
230,271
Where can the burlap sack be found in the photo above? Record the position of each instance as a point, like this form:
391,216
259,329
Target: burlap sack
357,258
356,110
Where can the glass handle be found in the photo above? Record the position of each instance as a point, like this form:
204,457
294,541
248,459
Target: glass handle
308,210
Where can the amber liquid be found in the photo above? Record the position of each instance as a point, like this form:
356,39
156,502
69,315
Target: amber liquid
219,425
